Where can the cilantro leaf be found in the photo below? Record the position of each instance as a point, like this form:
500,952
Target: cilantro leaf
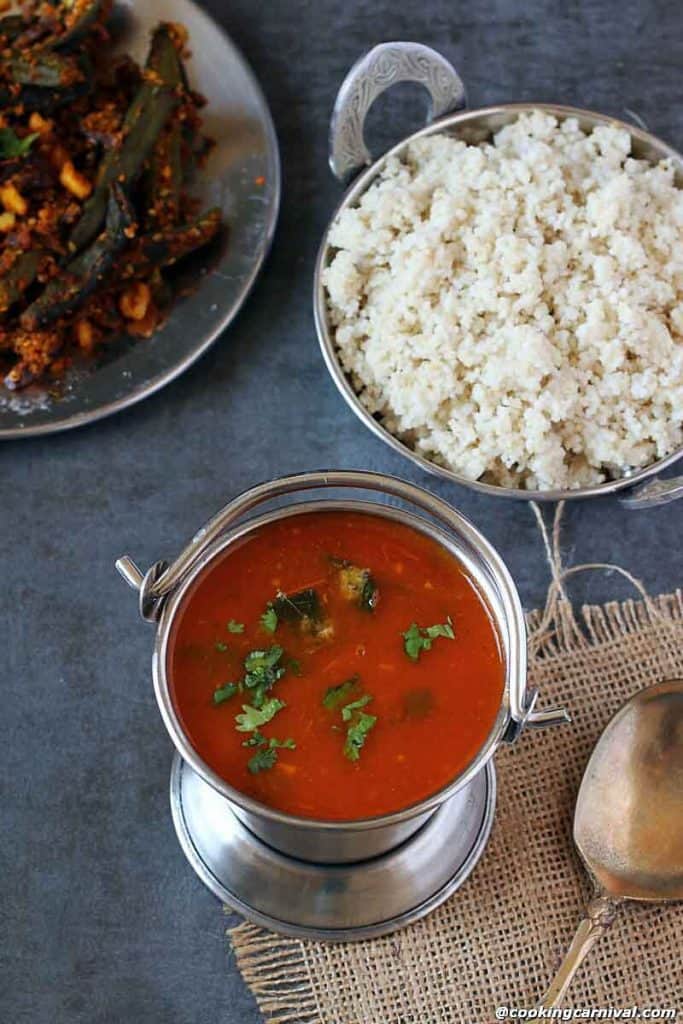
356,705
261,661
235,627
269,619
334,695
252,718
220,646
356,735
294,666
223,693
257,739
266,757
441,629
417,638
262,760
262,672
11,145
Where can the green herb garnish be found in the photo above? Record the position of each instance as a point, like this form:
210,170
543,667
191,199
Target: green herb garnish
262,760
220,646
11,145
294,666
335,695
356,705
223,693
356,735
419,638
269,619
235,627
257,739
253,718
262,672
266,757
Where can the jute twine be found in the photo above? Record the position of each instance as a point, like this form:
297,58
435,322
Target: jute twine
499,939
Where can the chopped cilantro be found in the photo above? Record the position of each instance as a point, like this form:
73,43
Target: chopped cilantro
334,695
269,619
266,756
223,693
356,735
257,739
261,661
356,705
262,672
235,627
262,760
220,646
11,145
252,718
294,666
419,638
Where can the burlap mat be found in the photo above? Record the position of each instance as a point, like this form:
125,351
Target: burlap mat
499,939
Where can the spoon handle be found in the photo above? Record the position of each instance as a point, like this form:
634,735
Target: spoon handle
599,915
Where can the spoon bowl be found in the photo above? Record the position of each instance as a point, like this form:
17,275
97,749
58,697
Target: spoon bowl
628,824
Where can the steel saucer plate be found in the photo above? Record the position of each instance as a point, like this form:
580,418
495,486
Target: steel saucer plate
242,177
339,902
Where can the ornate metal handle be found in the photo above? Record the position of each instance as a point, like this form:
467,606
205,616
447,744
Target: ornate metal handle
377,70
600,913
654,492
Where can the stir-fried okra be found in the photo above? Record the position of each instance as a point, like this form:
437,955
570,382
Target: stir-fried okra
95,159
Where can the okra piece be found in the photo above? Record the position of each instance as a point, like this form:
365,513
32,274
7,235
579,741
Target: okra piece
166,247
152,106
164,178
85,15
46,69
16,280
85,272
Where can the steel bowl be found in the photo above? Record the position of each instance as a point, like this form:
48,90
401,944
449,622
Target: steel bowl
163,589
384,66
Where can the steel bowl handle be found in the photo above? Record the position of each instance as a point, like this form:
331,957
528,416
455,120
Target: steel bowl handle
377,70
654,492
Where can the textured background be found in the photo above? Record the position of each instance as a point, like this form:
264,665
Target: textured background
101,919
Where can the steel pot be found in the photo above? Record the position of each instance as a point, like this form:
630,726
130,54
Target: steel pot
163,588
378,70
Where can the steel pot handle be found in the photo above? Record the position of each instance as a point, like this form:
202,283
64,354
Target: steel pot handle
377,70
159,581
654,492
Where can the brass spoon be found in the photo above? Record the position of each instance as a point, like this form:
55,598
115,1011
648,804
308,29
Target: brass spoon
628,824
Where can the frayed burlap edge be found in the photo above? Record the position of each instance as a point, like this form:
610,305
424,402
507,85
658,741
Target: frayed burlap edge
274,967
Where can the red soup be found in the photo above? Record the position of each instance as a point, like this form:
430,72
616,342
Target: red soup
336,665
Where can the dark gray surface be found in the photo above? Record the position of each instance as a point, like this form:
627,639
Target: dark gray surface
101,918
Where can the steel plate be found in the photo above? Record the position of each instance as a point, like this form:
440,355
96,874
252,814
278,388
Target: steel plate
333,902
242,176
